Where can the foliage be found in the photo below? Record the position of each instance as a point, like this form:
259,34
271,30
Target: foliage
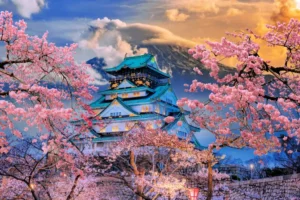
276,171
156,162
247,107
36,78
289,157
235,177
27,171
38,81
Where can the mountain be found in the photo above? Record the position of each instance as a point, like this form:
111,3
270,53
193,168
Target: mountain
176,61
98,64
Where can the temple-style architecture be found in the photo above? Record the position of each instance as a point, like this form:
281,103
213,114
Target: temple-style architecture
139,91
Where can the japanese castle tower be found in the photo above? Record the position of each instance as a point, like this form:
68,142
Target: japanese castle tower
139,91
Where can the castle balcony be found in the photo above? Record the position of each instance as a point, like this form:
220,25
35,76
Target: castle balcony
138,76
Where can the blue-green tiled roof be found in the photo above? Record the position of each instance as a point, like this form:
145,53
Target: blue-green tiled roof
135,62
158,91
147,116
98,101
197,143
126,90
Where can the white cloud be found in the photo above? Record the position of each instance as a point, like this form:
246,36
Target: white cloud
103,39
28,7
107,38
112,39
98,79
174,15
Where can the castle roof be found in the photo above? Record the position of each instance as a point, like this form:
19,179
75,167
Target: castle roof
157,92
143,61
141,117
126,90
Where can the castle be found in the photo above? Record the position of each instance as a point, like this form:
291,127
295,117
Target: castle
139,92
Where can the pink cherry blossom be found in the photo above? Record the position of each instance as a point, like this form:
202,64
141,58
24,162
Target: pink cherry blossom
256,106
169,119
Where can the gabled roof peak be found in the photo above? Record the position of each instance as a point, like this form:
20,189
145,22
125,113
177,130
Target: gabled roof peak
126,84
146,55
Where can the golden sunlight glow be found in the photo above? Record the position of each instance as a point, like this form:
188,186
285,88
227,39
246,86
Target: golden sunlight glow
297,4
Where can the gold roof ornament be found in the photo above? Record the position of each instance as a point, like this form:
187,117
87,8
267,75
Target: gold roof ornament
114,85
139,82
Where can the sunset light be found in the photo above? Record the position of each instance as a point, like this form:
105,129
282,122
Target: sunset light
297,4
149,99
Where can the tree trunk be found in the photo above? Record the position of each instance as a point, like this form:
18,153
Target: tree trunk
33,194
70,196
210,181
136,173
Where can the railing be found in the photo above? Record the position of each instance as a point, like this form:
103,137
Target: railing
137,76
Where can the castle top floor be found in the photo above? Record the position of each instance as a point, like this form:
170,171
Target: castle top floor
141,70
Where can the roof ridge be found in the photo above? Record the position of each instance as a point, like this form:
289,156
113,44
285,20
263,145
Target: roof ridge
137,56
123,90
122,103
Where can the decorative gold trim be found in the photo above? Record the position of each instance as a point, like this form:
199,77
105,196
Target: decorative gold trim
136,94
115,102
125,95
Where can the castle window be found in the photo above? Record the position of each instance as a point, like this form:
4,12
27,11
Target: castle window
125,95
102,130
157,109
115,128
145,108
182,134
115,114
136,94
113,96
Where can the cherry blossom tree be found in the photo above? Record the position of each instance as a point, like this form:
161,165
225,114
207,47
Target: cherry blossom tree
28,172
57,188
248,107
289,157
155,161
36,78
38,82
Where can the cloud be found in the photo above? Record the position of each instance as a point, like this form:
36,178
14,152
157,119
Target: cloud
286,9
113,38
104,39
212,6
231,12
175,16
98,79
28,7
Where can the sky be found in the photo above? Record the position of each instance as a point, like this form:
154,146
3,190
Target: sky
113,28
